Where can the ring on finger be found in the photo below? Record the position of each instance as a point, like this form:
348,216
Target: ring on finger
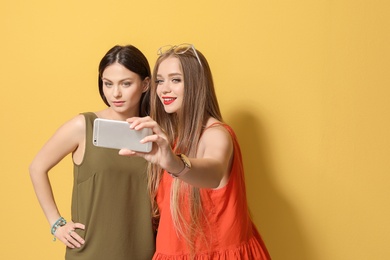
70,232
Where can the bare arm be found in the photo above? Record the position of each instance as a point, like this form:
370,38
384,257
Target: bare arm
210,168
66,140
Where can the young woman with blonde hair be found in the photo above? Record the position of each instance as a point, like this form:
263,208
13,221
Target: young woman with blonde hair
196,177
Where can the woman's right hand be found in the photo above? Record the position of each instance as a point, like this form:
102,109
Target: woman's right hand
161,153
68,236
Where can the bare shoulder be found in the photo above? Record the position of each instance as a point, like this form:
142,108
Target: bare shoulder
76,123
215,127
68,137
216,137
72,130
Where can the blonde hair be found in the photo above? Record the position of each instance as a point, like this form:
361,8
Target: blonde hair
184,130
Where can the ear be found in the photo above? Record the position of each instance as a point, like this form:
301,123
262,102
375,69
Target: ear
146,84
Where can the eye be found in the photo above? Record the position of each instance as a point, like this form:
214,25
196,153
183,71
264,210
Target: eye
107,84
159,81
126,84
176,80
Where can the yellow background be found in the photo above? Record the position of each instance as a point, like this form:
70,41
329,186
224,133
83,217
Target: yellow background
304,83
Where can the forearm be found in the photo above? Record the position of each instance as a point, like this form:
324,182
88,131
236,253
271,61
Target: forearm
44,194
204,172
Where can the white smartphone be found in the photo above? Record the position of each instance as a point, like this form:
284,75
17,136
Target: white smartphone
117,135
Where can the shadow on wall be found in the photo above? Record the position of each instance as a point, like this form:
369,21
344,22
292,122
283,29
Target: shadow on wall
273,216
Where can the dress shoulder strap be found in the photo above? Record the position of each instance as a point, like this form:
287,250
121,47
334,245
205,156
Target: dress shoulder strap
226,126
89,116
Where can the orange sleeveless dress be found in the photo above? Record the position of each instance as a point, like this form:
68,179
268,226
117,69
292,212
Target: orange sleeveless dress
230,233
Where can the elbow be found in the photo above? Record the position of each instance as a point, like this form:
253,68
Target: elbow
215,184
33,170
221,180
217,181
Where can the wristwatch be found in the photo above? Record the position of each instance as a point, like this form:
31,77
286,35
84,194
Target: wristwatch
187,166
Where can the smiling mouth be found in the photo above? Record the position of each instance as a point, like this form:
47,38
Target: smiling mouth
168,101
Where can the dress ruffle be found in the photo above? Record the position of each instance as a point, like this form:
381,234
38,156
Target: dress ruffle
252,250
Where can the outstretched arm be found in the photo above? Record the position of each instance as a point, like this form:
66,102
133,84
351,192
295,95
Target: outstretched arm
211,166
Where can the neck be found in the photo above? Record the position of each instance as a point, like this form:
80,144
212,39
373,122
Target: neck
109,113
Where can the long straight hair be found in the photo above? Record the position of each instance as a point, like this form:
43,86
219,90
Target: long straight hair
184,130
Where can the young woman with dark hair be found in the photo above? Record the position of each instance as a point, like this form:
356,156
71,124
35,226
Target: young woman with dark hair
111,216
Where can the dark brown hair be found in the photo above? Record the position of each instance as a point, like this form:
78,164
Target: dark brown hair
132,59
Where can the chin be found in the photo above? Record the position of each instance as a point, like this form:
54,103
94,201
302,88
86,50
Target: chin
168,111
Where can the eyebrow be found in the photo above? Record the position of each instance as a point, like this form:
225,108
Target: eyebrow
171,74
119,80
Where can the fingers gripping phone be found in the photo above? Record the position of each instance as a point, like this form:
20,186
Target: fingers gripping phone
118,135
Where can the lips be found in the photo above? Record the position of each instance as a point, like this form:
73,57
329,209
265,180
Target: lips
168,100
118,103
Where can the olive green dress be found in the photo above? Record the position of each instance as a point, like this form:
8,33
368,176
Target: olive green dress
110,198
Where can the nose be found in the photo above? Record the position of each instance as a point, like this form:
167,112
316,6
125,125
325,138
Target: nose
117,91
164,87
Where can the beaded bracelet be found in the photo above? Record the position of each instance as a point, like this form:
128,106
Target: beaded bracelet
59,223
